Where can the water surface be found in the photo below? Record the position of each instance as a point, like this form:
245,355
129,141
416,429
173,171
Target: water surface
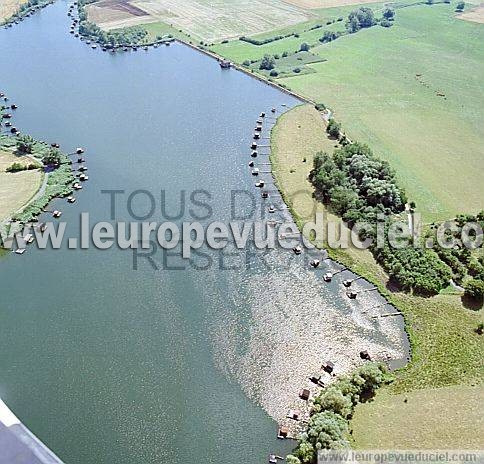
107,364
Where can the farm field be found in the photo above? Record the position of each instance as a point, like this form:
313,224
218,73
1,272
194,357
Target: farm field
202,19
425,419
16,189
383,85
403,91
239,51
8,8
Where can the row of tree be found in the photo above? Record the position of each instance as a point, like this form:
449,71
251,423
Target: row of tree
328,425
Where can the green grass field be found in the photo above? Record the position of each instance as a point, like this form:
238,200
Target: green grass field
434,143
444,418
369,79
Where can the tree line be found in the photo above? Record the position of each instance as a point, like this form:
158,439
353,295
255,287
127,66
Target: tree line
362,188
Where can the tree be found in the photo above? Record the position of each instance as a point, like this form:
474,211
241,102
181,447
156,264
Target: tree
389,13
332,399
304,47
274,73
360,18
460,6
474,288
25,144
268,63
333,128
52,157
343,199
327,430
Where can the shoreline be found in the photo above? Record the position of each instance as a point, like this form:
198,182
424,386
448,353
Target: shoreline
345,357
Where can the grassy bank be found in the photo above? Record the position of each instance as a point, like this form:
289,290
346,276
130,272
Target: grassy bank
446,351
443,418
19,188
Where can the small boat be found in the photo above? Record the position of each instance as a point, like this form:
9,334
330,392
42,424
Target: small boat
297,250
71,199
255,171
272,209
347,283
351,295
260,183
20,251
265,194
253,154
83,177
77,186
251,164
29,238
79,151
314,263
273,110
262,115
328,277
13,106
57,214
82,168
225,64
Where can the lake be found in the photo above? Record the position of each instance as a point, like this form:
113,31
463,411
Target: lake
108,364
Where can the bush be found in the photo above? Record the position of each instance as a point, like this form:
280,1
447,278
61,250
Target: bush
460,6
52,157
274,73
320,106
474,288
297,70
246,63
389,13
25,144
267,63
333,128
329,36
386,23
304,47
16,167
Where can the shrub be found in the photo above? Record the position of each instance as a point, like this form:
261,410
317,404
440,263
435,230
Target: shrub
474,288
246,63
389,13
333,128
267,63
16,167
274,73
304,47
297,70
386,23
460,6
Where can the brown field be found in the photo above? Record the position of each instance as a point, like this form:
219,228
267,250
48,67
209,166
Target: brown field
317,4
475,15
8,8
203,19
16,189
